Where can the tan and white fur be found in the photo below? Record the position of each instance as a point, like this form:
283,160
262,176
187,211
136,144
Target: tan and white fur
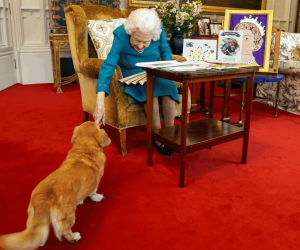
54,200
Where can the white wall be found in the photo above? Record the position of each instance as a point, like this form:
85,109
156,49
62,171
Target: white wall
31,34
7,63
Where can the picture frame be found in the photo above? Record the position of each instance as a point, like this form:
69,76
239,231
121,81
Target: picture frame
217,7
257,32
214,29
203,26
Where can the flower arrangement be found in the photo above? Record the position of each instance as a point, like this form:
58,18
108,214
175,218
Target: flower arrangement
177,18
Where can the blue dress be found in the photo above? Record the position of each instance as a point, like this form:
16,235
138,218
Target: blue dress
123,54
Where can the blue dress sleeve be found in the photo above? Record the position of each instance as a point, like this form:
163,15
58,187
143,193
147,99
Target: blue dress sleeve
164,48
108,68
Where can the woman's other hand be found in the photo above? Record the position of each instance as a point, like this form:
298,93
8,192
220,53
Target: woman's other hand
99,113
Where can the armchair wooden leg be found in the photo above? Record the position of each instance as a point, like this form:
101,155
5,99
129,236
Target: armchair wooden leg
121,141
85,116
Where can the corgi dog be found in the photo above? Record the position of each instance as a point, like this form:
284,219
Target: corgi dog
54,200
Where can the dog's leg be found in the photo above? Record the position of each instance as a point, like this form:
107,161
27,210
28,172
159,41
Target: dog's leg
72,237
63,219
96,197
67,224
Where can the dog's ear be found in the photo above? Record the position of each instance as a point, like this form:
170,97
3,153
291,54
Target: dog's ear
102,138
75,134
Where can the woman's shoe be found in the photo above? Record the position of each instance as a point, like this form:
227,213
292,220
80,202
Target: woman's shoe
162,149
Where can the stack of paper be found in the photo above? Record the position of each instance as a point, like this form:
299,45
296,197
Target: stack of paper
140,78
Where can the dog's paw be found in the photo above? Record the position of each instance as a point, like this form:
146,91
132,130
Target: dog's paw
77,237
80,203
96,197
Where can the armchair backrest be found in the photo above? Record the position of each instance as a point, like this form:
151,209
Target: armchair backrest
76,19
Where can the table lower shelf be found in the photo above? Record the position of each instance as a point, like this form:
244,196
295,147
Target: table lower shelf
199,135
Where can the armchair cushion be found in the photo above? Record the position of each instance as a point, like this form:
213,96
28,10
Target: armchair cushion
288,44
296,53
101,33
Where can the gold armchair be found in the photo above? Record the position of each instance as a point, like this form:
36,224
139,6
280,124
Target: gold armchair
119,114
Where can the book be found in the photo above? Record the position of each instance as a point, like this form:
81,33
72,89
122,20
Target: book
157,64
193,66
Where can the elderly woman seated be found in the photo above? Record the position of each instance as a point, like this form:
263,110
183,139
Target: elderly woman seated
140,39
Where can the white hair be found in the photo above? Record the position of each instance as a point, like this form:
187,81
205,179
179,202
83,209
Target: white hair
145,21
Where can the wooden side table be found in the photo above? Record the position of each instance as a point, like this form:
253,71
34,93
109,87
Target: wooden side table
56,42
190,137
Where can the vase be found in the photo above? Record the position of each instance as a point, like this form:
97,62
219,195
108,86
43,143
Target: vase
176,43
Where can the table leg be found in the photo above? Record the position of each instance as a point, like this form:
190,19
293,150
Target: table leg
201,102
242,103
211,99
183,132
149,119
201,99
277,99
249,96
202,95
194,96
226,99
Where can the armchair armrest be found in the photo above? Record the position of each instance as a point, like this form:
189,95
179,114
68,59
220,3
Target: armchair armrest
115,103
178,58
90,67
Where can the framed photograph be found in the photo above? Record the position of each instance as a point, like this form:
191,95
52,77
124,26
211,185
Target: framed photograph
209,7
257,31
214,29
203,26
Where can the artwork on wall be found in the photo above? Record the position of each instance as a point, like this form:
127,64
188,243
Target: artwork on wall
58,14
257,31
199,49
208,6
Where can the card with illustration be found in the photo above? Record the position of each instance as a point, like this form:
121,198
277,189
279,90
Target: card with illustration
199,49
230,46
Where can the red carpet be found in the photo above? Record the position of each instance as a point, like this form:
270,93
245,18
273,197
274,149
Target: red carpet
225,205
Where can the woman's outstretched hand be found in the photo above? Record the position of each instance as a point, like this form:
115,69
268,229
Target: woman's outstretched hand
99,113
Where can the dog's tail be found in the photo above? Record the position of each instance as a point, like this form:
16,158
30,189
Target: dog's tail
35,234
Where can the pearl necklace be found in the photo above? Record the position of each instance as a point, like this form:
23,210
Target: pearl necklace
251,61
